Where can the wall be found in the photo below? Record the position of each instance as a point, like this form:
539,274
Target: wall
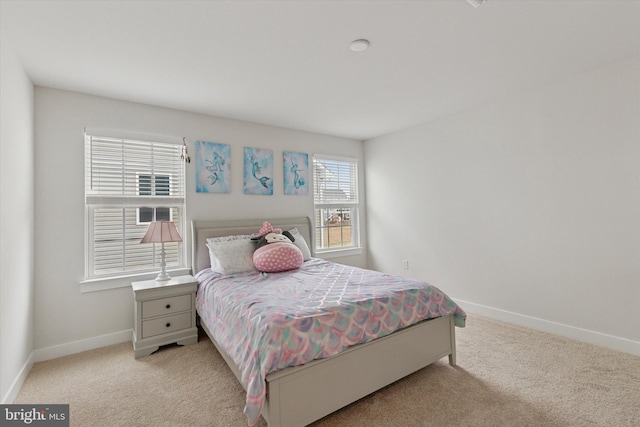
525,208
68,320
16,222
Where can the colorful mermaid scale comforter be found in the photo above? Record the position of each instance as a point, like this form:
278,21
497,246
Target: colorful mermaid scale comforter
267,322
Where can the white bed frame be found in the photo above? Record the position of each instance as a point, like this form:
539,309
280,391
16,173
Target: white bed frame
300,395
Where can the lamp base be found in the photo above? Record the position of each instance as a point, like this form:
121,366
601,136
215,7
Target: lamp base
162,276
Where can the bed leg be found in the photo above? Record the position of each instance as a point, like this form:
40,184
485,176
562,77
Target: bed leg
452,329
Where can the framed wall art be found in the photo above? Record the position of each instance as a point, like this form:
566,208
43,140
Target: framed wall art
296,173
258,171
213,167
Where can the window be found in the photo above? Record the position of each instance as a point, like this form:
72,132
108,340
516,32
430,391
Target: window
128,184
158,185
335,202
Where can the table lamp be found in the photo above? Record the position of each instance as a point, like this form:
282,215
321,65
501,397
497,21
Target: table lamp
161,232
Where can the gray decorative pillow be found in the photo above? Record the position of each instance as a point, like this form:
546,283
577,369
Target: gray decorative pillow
301,243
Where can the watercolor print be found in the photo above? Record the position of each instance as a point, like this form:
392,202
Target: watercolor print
296,173
213,167
258,171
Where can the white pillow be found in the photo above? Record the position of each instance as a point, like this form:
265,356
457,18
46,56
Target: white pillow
232,256
301,243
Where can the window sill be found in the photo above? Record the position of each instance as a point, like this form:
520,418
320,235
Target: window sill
337,253
95,285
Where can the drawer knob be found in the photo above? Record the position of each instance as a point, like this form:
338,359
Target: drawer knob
168,324
167,306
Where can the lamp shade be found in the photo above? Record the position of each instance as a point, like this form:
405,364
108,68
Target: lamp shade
161,232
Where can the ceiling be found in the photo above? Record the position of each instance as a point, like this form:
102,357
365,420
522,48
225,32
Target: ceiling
288,63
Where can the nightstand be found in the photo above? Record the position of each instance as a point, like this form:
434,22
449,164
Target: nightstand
164,314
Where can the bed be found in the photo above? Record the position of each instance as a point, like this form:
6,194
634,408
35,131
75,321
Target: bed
299,395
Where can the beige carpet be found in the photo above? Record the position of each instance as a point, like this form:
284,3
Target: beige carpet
506,376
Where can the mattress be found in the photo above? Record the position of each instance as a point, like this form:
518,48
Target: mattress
270,321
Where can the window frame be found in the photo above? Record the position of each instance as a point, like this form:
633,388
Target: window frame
321,204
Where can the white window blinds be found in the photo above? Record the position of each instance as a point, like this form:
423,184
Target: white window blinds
335,181
128,184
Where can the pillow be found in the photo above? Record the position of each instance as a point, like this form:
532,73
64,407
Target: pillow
232,256
301,243
276,257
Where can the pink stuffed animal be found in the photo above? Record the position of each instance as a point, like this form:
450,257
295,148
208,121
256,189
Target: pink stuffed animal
275,250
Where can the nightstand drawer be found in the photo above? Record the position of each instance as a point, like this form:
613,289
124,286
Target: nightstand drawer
163,325
163,306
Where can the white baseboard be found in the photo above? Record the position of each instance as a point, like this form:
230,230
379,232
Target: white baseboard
15,387
591,337
73,347
66,349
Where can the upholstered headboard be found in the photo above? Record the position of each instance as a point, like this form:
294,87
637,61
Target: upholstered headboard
201,230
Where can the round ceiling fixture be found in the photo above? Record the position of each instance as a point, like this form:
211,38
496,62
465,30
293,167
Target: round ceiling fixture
359,45
476,3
